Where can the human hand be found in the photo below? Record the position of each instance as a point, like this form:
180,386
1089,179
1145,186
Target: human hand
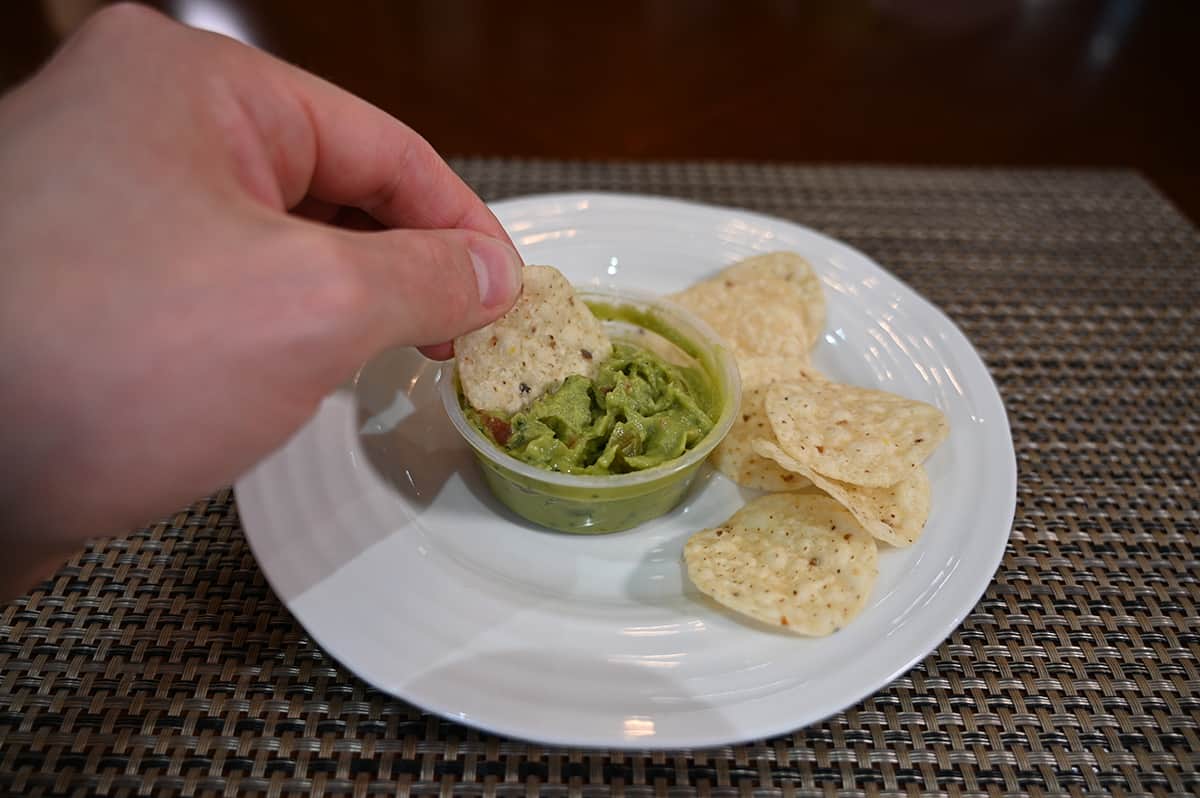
165,320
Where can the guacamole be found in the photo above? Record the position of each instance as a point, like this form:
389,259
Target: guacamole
640,411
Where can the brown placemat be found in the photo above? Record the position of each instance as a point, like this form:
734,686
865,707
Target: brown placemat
162,662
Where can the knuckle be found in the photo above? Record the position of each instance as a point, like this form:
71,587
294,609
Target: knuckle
333,294
120,19
343,292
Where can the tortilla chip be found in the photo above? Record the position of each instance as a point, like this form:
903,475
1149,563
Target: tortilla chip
895,514
761,317
856,435
792,560
793,268
735,456
766,370
548,335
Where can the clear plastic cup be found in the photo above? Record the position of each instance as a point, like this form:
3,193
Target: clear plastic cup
586,504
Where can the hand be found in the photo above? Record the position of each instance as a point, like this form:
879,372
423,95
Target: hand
165,320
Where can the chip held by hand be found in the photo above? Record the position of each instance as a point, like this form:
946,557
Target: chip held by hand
548,335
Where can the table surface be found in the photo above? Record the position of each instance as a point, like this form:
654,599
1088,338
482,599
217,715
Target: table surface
162,662
1101,83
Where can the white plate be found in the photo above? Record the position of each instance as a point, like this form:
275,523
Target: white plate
375,529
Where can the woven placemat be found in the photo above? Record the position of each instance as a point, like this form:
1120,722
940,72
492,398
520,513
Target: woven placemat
163,663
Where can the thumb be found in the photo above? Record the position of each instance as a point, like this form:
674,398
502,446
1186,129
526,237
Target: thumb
430,286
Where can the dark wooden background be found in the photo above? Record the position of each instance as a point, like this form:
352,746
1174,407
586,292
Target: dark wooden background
1097,83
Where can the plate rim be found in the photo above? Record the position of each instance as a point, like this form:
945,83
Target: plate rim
933,637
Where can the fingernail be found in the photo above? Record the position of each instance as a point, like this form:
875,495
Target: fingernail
497,271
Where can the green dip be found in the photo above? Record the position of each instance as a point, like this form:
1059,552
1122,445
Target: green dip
639,412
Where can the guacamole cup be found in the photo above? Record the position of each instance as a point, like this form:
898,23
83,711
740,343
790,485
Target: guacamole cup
594,504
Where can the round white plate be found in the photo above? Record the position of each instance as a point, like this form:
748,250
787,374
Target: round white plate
374,526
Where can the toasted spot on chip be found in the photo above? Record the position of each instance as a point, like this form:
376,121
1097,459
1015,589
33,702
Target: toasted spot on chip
857,435
793,268
544,338
760,317
895,514
792,560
